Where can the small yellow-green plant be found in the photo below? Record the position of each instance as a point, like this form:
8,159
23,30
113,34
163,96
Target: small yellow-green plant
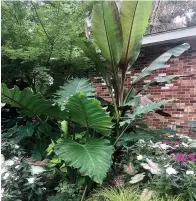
128,194
115,194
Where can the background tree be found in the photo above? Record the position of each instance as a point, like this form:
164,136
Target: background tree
168,15
38,41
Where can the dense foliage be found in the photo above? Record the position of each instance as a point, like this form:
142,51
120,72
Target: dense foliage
67,134
166,166
38,42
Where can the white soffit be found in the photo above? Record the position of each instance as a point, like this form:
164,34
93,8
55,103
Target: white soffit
169,36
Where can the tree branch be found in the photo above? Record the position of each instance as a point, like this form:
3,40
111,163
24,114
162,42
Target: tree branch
12,13
42,24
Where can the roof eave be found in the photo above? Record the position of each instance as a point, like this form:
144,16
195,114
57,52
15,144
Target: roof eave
169,36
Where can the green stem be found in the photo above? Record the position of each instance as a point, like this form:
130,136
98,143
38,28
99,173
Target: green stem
131,88
87,133
71,174
121,134
116,111
39,119
115,105
83,195
122,86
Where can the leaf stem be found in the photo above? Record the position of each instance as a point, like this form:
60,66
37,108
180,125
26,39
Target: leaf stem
122,86
129,91
87,133
116,111
115,105
121,134
83,195
39,119
42,25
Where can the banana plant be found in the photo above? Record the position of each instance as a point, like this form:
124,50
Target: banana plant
118,35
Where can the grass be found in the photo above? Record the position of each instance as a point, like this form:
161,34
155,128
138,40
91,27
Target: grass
115,194
126,194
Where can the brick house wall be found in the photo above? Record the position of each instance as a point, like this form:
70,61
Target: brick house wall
183,109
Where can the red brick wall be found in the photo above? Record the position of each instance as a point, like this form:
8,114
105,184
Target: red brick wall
183,109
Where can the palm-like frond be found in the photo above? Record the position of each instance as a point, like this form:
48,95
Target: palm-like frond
72,87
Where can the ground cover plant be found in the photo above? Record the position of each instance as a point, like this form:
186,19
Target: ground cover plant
78,136
166,166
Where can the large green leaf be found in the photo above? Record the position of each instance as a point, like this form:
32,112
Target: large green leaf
27,130
20,132
161,60
144,109
131,97
167,79
134,20
72,87
11,132
31,104
90,51
107,30
93,159
134,102
89,113
163,80
144,134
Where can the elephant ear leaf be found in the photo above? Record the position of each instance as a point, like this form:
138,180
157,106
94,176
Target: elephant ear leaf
107,30
93,159
134,20
30,103
72,87
161,60
89,113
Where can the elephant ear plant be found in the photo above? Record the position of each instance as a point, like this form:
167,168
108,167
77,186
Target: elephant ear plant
86,153
118,34
86,145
